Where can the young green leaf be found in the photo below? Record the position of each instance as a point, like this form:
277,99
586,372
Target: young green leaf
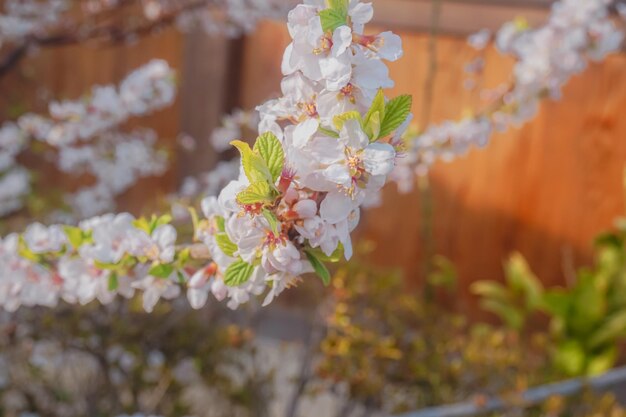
341,119
340,6
271,150
272,220
373,127
221,223
25,252
258,192
113,282
396,112
74,235
195,221
163,220
253,164
107,266
319,267
375,115
332,19
333,258
143,224
239,272
161,271
225,244
378,105
329,132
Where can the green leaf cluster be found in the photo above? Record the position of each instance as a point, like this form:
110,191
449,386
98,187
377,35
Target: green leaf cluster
262,165
381,119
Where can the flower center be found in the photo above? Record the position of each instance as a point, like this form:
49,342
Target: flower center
347,92
272,239
325,45
308,107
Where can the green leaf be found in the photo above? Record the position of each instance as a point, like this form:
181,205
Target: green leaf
378,105
523,281
107,266
588,306
329,132
396,113
373,127
221,223
195,221
272,220
341,119
490,290
225,244
319,267
340,6
163,220
570,357
613,329
510,315
556,302
601,362
143,224
332,19
335,257
258,192
161,270
74,235
25,252
271,150
253,164
239,272
113,282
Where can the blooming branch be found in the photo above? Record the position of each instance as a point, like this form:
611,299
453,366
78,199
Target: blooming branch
325,149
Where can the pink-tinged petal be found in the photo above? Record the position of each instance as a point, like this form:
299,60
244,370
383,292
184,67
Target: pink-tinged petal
305,208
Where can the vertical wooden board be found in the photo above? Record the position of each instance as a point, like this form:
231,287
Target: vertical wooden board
262,56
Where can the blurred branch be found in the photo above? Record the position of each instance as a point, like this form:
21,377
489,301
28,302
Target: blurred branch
112,33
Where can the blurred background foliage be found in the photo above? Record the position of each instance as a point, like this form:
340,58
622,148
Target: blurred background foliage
379,347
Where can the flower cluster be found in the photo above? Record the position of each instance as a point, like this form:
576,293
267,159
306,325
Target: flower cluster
116,161
145,90
82,137
24,18
231,18
45,21
326,148
577,31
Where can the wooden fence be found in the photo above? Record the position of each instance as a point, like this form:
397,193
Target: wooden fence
545,189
